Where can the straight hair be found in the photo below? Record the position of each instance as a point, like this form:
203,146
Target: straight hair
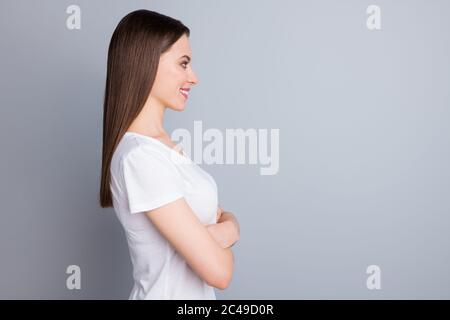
133,58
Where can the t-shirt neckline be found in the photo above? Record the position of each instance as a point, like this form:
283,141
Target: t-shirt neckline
184,155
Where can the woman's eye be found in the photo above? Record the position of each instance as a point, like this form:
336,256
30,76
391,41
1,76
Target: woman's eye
184,64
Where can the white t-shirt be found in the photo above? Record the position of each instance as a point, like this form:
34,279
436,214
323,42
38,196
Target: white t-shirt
147,174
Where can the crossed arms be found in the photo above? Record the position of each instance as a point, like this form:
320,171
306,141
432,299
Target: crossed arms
226,230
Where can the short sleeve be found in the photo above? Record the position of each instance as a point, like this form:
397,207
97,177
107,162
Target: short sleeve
150,180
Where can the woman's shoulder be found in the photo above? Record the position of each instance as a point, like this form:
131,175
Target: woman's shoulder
146,151
132,147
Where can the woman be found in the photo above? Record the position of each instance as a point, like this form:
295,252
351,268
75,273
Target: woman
178,237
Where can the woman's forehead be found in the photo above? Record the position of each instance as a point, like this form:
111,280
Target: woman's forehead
180,48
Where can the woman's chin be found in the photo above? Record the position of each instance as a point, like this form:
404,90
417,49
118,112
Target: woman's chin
179,107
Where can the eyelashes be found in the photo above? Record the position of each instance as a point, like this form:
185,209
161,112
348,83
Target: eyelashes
184,64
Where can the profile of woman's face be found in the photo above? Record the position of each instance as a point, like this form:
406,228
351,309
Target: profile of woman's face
174,76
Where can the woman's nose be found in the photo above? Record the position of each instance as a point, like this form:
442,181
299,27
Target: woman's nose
193,78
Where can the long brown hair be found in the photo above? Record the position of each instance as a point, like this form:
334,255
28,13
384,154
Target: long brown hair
133,57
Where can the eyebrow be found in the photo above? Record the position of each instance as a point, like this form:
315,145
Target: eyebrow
187,57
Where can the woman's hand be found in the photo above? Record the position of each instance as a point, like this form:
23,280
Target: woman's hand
219,213
221,232
226,230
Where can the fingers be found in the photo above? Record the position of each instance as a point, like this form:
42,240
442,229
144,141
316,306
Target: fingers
219,213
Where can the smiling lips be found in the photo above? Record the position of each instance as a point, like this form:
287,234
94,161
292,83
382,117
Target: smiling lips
185,92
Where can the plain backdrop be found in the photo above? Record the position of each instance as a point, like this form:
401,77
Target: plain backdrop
364,175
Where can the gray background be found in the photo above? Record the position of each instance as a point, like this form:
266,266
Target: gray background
364,145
